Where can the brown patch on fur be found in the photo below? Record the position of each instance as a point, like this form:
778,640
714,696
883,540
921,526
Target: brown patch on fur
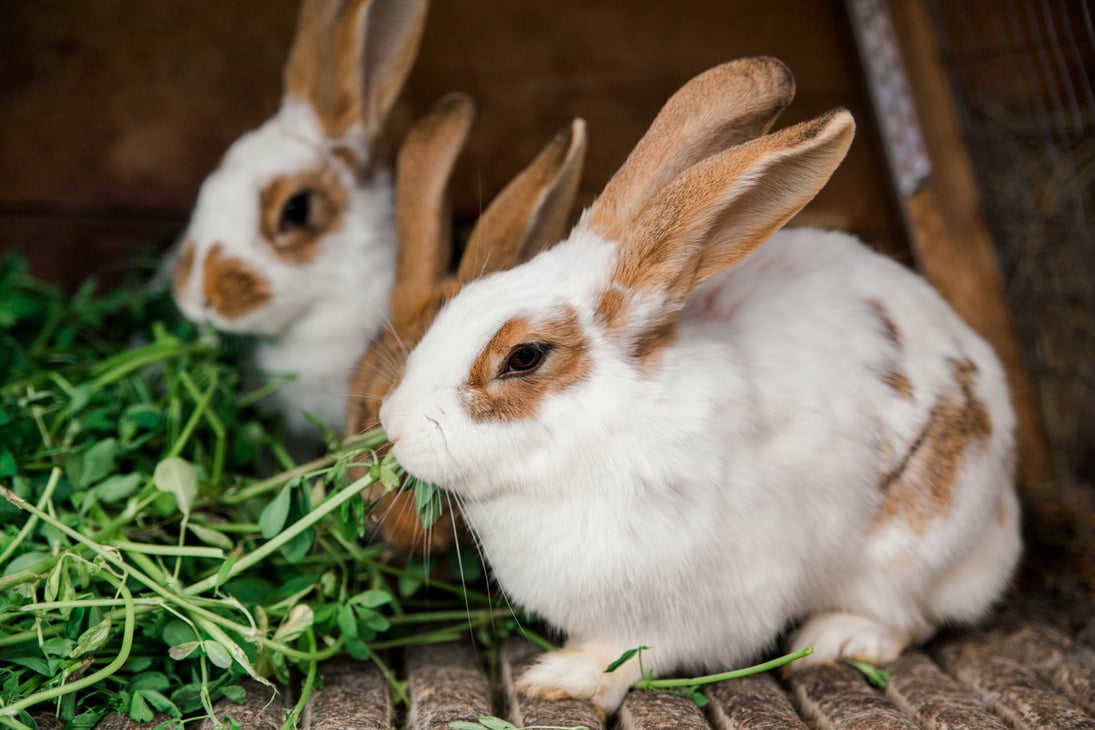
898,382
349,157
921,487
490,398
184,265
232,287
327,203
889,327
654,341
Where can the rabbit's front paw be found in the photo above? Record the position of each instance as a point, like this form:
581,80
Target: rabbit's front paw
836,636
580,674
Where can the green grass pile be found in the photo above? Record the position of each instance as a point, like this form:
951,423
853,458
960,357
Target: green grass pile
144,568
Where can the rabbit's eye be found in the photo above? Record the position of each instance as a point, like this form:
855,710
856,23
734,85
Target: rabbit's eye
524,359
296,212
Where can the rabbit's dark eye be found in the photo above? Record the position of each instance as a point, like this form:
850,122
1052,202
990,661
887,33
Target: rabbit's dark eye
524,359
296,212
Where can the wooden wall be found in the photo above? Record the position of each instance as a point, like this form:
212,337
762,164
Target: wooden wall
112,111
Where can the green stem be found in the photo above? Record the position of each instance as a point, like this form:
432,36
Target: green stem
31,572
96,677
454,615
201,404
723,676
169,551
293,716
146,356
54,477
272,546
367,440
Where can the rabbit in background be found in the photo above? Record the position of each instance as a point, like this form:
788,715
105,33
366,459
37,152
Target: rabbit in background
531,211
684,428
292,238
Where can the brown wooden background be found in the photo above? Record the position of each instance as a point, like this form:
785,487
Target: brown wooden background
112,111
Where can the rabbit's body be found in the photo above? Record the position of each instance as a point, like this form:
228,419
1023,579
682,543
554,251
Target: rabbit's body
683,429
710,480
292,239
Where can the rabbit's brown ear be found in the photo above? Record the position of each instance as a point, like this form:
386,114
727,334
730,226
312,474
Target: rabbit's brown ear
722,107
422,217
720,210
350,58
532,211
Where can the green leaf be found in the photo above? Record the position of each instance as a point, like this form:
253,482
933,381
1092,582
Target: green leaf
372,598
58,646
150,680
211,537
139,711
5,419
26,560
177,632
8,467
465,725
176,476
235,693
625,657
144,415
496,723
34,663
92,639
116,488
295,550
97,462
87,719
878,677
217,654
300,619
273,515
183,650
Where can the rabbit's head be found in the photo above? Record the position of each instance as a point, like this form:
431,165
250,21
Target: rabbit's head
532,210
298,210
525,374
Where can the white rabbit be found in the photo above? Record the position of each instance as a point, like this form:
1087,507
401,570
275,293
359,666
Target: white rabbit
531,211
292,238
648,459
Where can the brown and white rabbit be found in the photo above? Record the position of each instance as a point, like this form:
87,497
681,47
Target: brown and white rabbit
684,428
292,238
532,210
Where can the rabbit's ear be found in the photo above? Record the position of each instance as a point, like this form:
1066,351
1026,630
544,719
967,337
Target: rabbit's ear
722,107
532,211
350,58
719,211
423,224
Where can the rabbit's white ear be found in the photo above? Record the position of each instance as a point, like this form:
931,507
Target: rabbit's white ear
720,210
722,107
350,58
532,211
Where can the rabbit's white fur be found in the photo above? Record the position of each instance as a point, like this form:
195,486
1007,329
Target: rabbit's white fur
700,506
669,431
311,279
320,311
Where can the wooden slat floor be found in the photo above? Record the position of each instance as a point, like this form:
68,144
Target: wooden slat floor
1032,666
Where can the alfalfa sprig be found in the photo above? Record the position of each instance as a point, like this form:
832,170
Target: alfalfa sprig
690,687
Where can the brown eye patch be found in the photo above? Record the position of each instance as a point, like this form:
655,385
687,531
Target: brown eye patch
298,210
232,287
554,352
184,264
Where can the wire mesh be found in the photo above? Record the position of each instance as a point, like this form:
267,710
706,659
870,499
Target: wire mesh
1022,75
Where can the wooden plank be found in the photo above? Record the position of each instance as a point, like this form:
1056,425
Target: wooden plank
354,695
659,711
446,683
952,243
752,703
1015,692
934,700
838,697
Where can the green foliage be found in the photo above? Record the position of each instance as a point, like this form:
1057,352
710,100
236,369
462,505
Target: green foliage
144,566
878,677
